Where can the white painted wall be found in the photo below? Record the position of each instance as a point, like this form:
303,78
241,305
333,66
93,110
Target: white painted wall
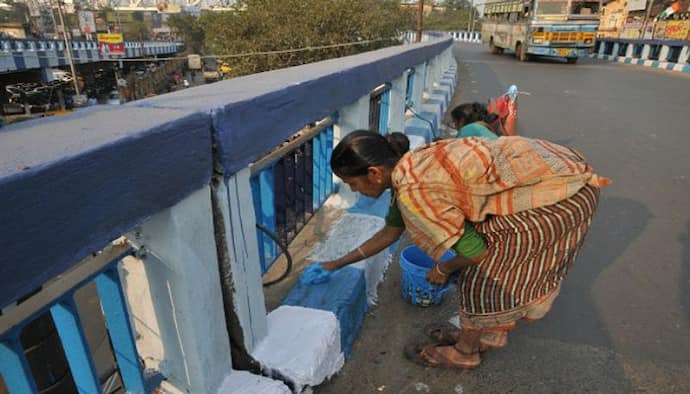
185,330
396,111
240,226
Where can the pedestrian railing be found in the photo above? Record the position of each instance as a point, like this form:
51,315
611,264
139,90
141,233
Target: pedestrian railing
58,300
379,107
668,54
289,185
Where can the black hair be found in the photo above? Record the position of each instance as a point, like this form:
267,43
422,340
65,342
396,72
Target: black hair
472,112
362,149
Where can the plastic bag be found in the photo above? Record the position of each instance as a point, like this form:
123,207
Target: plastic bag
315,274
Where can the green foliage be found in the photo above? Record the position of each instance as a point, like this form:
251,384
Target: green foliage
455,17
189,29
135,31
271,25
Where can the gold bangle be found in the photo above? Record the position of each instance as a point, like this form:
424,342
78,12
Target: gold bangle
438,269
359,249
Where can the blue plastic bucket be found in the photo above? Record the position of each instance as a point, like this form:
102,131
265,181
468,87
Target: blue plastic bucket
415,289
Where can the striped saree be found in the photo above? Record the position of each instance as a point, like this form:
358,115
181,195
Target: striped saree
531,200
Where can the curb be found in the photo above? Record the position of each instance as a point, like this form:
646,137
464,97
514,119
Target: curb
677,67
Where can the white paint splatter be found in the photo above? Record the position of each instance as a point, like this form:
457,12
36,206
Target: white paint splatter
458,389
419,386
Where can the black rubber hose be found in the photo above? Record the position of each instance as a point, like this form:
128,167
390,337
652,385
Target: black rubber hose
283,248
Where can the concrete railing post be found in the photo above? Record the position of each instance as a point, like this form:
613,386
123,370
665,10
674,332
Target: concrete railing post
186,329
663,54
396,117
684,54
351,117
630,50
239,222
614,52
646,49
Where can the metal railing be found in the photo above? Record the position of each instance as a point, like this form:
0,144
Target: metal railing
57,299
379,108
289,185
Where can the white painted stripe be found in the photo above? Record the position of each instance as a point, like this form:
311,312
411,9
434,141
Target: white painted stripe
648,62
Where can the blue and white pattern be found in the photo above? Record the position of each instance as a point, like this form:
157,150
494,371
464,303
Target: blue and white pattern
645,62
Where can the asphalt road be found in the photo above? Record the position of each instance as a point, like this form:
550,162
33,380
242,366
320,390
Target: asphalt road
622,321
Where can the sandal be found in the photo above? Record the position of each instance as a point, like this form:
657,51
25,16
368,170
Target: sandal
446,334
443,333
433,355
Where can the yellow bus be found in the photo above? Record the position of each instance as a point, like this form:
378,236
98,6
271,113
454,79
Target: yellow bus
555,28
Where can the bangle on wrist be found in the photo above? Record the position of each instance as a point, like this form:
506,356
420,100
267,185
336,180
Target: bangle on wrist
438,269
361,252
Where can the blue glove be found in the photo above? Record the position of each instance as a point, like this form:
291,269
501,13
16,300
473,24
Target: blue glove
315,274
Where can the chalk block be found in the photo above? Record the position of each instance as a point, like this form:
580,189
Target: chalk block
344,294
302,346
243,382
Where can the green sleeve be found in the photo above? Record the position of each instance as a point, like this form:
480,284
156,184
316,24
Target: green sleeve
394,217
471,244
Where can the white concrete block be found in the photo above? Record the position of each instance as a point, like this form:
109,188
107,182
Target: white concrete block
302,346
243,382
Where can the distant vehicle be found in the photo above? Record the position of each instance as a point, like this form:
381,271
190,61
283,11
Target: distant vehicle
114,98
211,69
225,68
554,28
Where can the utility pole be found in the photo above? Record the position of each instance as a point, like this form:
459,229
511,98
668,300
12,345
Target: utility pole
471,22
646,19
420,19
68,49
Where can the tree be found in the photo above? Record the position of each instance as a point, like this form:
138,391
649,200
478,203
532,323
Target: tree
136,31
272,25
455,16
188,28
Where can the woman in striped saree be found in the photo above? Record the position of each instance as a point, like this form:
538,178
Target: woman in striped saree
516,211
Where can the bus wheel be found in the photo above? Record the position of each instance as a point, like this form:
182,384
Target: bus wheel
571,60
521,53
494,49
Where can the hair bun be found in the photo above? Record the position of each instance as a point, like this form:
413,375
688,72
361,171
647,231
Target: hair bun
398,142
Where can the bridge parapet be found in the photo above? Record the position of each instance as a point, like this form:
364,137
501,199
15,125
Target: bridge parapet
174,175
671,55
24,54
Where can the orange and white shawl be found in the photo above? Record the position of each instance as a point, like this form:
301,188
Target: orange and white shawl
440,185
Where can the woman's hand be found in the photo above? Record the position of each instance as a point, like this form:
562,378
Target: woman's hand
330,265
437,276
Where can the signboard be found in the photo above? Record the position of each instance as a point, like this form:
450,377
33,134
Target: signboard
660,31
119,17
677,30
111,44
637,5
34,8
87,23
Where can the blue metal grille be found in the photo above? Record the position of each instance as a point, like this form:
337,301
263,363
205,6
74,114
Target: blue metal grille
379,107
58,299
287,192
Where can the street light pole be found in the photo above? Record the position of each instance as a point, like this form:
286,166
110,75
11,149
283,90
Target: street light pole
420,19
68,49
471,22
646,19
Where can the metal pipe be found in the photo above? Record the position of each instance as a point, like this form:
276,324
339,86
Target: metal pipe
420,20
380,89
301,137
68,48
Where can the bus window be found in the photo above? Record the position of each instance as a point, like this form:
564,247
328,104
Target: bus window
549,7
585,7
